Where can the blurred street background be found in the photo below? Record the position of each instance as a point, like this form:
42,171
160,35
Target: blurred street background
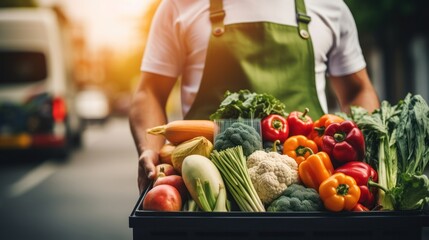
89,195
89,192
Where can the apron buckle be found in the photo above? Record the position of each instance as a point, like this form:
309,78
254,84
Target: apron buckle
304,18
217,15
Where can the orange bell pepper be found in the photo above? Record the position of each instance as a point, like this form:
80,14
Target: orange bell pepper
339,192
320,125
315,169
299,147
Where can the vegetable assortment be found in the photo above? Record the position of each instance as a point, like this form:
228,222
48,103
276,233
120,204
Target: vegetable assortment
339,162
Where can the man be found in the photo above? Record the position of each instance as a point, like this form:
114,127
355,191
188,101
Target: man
285,48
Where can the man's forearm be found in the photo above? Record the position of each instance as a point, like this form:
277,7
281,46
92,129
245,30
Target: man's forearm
146,112
355,90
366,99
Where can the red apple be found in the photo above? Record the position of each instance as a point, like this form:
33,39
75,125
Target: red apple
164,169
175,181
162,198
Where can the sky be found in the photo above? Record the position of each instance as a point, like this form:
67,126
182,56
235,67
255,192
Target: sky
106,22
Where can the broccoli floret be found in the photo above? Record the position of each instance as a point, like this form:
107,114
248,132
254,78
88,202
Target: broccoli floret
238,134
236,139
297,198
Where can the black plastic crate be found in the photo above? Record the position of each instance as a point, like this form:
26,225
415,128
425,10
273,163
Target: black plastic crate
300,225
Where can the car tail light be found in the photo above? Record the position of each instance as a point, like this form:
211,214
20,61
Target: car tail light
59,109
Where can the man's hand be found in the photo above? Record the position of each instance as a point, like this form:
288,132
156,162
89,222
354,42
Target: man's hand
146,170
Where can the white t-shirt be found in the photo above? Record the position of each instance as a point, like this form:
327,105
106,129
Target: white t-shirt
181,29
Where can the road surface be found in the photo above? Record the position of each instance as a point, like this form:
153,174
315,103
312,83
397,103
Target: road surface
87,196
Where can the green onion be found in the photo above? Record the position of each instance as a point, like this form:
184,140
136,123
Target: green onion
231,163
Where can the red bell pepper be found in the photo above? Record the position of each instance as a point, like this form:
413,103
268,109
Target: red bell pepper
274,127
320,125
299,123
344,142
364,175
360,208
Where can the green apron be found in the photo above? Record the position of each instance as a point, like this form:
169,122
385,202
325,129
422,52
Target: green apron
263,57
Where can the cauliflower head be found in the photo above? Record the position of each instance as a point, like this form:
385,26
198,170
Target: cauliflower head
271,173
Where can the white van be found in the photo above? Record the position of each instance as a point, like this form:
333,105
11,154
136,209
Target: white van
36,90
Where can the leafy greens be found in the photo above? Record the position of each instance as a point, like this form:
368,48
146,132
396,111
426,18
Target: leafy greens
397,140
246,104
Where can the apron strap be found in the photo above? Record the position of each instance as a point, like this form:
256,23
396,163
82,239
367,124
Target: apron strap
217,14
303,19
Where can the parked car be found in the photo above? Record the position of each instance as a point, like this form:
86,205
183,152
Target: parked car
93,105
36,90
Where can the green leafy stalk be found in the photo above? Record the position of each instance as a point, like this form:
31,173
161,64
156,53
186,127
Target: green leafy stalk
379,153
208,202
236,182
413,135
387,172
382,174
204,195
220,205
396,140
412,141
231,163
209,194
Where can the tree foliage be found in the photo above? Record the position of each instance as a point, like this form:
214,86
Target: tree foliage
404,16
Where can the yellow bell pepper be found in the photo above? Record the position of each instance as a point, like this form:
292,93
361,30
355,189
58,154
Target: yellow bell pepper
299,147
339,192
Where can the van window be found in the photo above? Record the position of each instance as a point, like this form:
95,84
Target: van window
17,67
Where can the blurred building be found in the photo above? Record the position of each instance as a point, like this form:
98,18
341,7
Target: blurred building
395,37
399,68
